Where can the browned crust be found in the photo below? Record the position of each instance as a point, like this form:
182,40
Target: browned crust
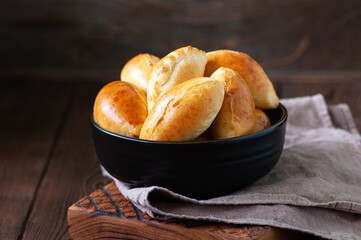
261,87
120,107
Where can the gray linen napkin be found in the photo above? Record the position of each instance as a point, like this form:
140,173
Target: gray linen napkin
314,188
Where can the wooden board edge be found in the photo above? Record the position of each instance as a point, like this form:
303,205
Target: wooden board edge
86,224
280,234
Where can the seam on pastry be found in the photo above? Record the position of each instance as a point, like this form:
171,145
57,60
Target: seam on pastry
161,118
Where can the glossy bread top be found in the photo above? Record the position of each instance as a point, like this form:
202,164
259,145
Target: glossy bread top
120,107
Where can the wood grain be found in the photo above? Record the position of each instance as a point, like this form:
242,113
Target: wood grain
73,170
106,213
78,35
305,78
31,116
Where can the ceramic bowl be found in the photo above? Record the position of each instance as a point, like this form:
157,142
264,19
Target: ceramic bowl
198,170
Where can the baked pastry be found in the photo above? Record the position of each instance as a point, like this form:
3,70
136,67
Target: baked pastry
261,87
237,115
138,69
185,111
178,66
262,121
120,107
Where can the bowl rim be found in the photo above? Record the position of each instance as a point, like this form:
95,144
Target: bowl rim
251,136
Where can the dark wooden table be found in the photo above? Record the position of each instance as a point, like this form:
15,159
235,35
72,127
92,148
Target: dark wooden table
47,160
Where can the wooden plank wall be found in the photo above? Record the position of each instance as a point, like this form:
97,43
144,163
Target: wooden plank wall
86,39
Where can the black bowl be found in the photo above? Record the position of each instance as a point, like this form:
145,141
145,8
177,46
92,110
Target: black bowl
199,170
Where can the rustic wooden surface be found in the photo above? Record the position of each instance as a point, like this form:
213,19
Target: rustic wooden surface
28,135
47,161
106,213
96,36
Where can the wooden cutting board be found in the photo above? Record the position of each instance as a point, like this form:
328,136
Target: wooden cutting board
107,214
